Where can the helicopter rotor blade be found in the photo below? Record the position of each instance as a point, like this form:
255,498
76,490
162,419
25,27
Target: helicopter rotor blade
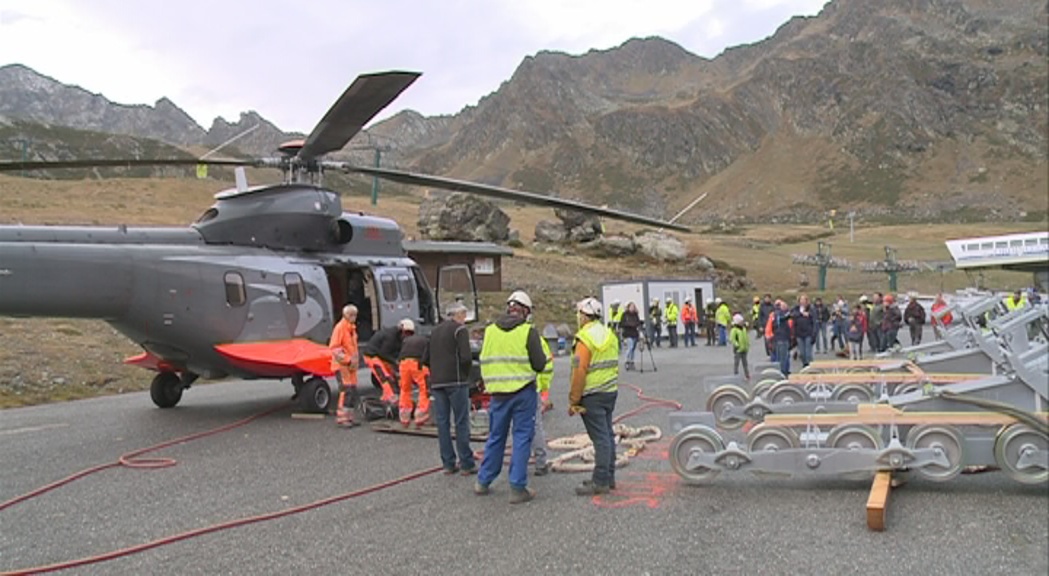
365,98
116,163
503,193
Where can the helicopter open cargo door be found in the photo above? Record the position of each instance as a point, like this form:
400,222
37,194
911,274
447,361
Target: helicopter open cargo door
455,283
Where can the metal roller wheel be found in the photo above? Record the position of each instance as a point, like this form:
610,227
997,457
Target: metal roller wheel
765,438
944,438
722,398
854,437
772,373
854,393
786,393
1014,441
762,387
810,369
906,388
696,437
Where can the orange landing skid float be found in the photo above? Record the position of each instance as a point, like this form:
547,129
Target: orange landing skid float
279,358
150,361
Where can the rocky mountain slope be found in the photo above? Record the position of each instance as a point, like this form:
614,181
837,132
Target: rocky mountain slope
901,109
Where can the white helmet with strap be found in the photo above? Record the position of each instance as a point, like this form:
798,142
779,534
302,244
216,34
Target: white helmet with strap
520,297
589,306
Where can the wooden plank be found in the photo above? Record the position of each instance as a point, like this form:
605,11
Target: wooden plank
307,416
880,414
395,427
881,378
877,502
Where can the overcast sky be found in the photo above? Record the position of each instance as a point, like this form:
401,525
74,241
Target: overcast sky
289,60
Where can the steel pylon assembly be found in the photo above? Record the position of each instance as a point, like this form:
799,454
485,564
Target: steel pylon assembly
976,397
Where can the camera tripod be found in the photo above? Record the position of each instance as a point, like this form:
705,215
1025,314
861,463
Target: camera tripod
643,344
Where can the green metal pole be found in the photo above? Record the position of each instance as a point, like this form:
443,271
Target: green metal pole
823,278
375,179
892,281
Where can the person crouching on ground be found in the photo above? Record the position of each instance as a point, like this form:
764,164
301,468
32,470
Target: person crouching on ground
511,357
740,345
413,372
595,375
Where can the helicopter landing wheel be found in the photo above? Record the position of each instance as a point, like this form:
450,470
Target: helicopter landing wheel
315,395
166,389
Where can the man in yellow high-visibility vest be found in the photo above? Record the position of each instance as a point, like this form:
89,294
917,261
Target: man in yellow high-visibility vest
511,357
595,375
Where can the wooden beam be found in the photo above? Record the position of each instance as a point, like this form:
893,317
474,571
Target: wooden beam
877,502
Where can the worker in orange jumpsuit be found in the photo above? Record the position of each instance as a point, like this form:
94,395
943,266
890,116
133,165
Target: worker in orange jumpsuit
381,353
344,352
412,373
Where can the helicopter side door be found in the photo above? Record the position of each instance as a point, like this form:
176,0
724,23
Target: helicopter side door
455,284
397,295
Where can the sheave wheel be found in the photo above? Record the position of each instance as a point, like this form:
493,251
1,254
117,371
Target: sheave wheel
697,437
1019,441
854,393
723,398
166,389
315,395
947,441
786,393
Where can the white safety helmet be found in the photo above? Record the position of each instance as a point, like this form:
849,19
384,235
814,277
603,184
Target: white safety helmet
520,297
737,319
688,300
406,325
615,302
589,306
710,300
717,300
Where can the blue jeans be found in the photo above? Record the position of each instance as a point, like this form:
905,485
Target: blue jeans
821,337
805,349
783,356
722,335
631,347
453,401
690,333
598,422
517,409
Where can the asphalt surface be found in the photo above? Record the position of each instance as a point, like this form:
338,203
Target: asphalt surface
654,524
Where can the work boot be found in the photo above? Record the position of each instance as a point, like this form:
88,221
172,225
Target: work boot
344,418
480,489
452,470
421,419
588,488
469,471
542,470
521,496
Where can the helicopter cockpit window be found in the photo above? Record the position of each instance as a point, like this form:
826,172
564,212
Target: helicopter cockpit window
405,287
295,287
208,214
389,288
236,295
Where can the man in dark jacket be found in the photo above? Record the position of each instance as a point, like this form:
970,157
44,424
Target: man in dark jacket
914,317
511,358
449,359
804,316
381,354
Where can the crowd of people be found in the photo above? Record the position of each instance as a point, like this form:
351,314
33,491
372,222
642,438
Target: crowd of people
789,330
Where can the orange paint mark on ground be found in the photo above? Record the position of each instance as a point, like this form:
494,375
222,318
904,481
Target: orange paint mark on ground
643,489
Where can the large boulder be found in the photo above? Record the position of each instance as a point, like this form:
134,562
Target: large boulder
581,227
610,246
462,217
550,232
660,246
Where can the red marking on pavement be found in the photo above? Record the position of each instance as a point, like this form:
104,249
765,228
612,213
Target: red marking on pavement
648,490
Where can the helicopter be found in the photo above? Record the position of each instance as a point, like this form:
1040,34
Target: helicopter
253,287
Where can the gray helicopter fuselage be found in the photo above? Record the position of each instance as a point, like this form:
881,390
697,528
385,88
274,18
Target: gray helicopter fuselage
179,292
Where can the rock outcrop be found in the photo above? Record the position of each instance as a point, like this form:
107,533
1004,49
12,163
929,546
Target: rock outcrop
462,217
